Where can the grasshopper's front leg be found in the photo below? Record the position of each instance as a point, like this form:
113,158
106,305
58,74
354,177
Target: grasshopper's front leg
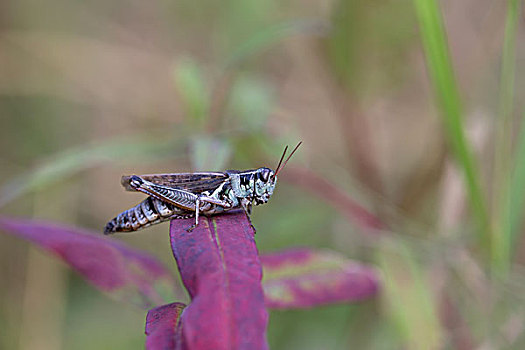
246,205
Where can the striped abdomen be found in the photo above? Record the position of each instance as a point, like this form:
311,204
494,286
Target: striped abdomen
148,212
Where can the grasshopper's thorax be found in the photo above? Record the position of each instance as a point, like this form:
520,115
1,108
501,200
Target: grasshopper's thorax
255,185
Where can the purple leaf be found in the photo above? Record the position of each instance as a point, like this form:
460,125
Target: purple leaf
300,278
220,267
163,329
125,273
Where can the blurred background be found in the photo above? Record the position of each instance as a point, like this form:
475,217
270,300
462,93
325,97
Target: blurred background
90,91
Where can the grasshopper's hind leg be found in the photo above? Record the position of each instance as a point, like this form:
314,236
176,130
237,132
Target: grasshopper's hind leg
179,198
182,199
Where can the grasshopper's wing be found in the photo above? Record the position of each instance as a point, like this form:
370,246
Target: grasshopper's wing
192,182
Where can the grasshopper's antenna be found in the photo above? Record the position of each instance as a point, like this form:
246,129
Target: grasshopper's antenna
279,168
282,157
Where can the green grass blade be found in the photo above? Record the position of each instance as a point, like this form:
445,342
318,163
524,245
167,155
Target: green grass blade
516,200
440,69
507,206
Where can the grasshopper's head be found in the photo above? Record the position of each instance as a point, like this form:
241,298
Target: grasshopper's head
265,179
264,185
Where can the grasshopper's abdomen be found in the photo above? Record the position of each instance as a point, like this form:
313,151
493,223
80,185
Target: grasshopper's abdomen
148,212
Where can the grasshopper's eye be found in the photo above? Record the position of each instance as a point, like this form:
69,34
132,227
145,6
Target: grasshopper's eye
265,174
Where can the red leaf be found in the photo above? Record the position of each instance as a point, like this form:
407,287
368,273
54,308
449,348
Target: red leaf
300,278
163,329
125,273
220,267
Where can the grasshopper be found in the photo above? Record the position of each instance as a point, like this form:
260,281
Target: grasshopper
186,195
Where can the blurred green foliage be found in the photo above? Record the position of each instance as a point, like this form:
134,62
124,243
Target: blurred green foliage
91,91
193,90
440,68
